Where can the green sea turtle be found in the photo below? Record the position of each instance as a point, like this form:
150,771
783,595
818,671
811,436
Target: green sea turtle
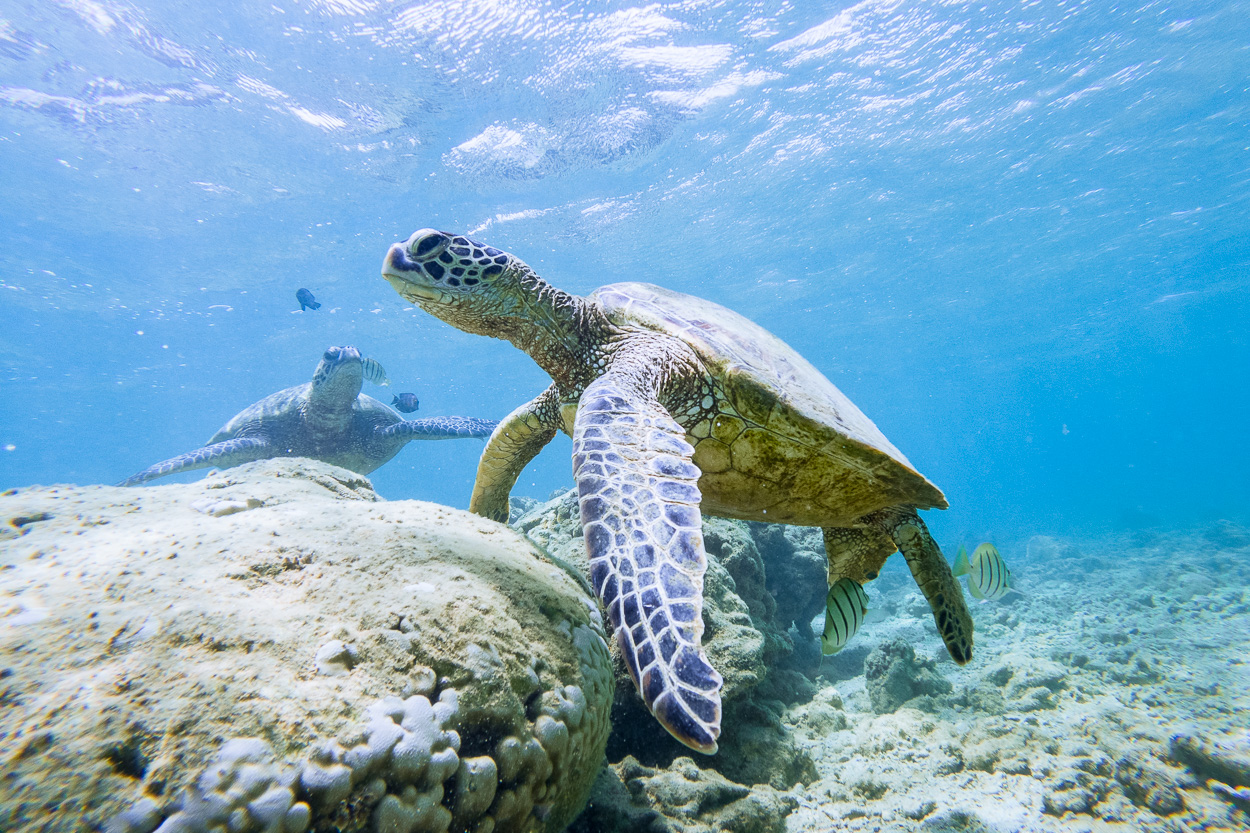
677,405
327,419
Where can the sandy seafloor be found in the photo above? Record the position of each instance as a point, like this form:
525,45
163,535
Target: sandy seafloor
1113,694
1091,703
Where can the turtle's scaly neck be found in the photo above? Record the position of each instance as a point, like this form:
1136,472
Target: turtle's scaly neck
329,407
564,333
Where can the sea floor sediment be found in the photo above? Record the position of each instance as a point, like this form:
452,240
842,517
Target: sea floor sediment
1112,695
140,630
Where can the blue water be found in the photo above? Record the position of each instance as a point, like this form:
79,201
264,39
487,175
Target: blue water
1017,234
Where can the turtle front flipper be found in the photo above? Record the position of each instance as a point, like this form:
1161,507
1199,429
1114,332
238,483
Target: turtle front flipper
440,428
233,452
932,574
639,497
515,442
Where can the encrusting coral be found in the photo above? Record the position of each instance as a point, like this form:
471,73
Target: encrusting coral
318,660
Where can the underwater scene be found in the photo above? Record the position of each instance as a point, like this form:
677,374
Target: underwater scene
476,416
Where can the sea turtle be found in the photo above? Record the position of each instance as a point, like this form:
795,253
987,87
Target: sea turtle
677,405
327,419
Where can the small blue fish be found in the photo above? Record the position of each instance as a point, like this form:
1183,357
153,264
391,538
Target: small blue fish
845,608
374,372
405,403
987,572
306,300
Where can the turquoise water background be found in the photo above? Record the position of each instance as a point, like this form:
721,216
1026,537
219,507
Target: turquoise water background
1016,234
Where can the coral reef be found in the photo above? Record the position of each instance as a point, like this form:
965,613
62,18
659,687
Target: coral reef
1223,763
797,574
680,798
243,788
743,636
274,649
894,675
312,659
1110,697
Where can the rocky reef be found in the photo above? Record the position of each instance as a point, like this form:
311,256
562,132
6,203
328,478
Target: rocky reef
1105,698
1111,696
680,798
275,649
893,675
750,635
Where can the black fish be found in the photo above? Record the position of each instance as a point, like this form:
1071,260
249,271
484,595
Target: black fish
306,300
405,403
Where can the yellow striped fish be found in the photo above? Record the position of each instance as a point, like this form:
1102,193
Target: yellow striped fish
374,372
988,575
845,607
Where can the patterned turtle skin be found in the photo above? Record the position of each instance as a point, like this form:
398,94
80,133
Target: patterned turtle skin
327,419
679,406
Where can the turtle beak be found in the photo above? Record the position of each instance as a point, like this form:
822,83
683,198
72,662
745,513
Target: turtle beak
406,276
397,264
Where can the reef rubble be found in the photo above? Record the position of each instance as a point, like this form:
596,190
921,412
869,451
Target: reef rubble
275,648
1112,696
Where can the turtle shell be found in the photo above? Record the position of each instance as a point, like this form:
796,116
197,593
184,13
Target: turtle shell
280,406
281,418
786,445
284,406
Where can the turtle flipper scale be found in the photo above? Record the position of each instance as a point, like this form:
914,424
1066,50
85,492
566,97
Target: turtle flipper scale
515,442
639,499
440,428
933,575
232,452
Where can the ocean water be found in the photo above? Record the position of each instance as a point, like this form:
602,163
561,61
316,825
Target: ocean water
1016,233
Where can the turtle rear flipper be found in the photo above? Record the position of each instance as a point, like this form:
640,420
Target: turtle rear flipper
639,498
857,554
933,575
233,452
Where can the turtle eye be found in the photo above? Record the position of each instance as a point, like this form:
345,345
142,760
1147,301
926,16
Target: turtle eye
426,243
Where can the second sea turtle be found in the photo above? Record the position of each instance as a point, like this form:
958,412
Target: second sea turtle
677,406
327,419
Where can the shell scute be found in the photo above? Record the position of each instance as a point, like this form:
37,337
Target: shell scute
727,428
750,494
767,455
712,457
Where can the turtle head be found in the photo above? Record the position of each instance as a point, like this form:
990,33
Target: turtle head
338,377
468,284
